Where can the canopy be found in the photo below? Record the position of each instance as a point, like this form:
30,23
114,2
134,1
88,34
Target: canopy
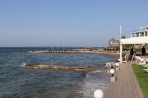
132,40
135,40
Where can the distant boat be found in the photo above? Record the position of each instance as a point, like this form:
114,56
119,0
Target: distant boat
1,61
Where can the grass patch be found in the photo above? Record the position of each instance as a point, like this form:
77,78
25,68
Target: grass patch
142,78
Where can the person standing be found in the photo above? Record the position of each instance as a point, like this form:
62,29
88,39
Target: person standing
143,51
131,53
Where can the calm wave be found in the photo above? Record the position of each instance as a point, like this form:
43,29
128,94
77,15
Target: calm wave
43,83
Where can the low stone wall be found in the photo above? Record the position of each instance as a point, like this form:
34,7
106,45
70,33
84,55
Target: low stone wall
61,67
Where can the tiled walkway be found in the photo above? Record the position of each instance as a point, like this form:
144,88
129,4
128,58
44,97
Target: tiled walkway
126,85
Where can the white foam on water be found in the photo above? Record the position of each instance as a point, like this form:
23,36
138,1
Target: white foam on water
94,80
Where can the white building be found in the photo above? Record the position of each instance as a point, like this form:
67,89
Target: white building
141,33
138,37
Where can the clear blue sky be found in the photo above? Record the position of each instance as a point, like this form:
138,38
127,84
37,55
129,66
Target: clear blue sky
68,23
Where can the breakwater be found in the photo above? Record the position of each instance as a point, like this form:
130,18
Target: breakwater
81,68
99,50
63,51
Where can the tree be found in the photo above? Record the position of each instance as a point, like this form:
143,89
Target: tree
113,39
123,37
126,46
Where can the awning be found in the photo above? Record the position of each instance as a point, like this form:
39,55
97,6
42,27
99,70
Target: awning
135,40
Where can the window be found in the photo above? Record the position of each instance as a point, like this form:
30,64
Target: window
133,34
143,29
137,34
141,34
146,34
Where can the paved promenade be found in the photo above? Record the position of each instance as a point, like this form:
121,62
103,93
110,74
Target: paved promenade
126,85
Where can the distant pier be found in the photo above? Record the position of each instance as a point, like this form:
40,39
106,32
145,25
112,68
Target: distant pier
62,51
99,50
82,68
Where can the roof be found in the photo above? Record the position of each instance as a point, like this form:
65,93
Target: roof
144,27
137,32
135,40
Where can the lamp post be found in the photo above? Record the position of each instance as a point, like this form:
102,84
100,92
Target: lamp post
98,93
81,63
117,67
120,31
120,45
65,63
51,62
112,71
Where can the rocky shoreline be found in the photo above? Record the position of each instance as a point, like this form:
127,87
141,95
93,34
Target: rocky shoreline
99,51
63,67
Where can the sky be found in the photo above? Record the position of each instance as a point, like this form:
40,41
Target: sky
68,23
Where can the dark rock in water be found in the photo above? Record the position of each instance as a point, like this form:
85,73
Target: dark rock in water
29,65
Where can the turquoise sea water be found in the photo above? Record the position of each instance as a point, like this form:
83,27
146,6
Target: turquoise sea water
18,82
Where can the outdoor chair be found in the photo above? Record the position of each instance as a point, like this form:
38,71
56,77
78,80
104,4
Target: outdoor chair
146,70
145,65
125,59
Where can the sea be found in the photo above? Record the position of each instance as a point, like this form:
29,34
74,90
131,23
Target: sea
16,82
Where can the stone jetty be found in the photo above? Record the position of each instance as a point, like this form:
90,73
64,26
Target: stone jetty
63,67
62,51
99,50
